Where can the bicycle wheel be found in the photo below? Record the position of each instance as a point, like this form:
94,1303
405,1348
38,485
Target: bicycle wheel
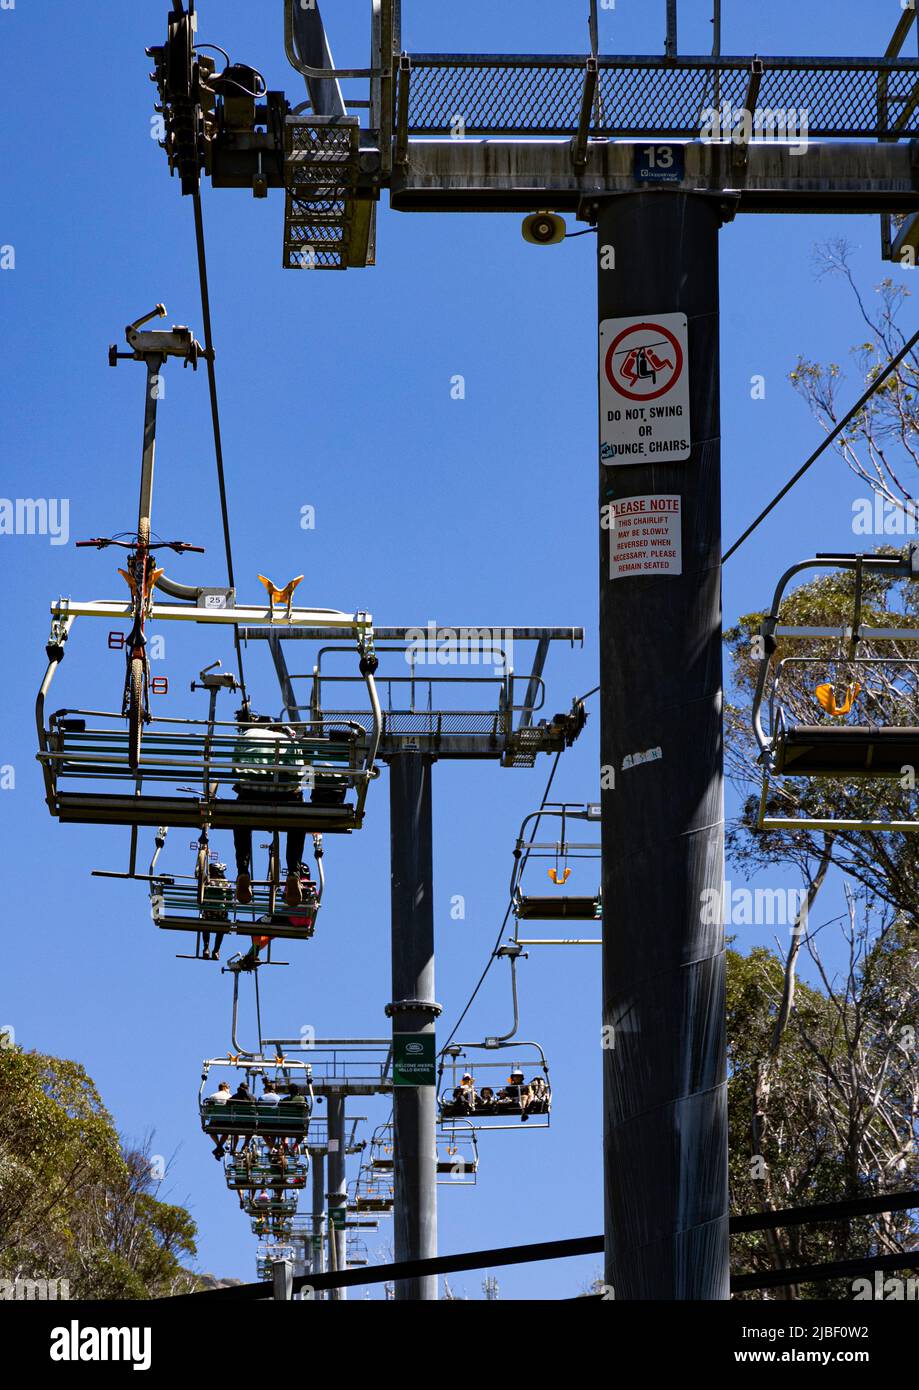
201,868
135,712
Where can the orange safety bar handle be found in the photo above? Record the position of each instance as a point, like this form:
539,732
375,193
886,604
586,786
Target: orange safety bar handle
826,697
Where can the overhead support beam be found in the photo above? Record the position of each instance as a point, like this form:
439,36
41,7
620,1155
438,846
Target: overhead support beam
411,634
511,175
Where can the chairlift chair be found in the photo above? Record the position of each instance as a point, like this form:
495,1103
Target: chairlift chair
185,764
279,1226
478,1060
458,1156
254,1119
865,722
559,906
268,1253
279,1207
206,904
356,1253
241,1173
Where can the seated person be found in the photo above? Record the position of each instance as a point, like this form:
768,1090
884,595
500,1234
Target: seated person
512,1093
296,1095
270,1095
487,1101
305,918
467,1086
329,788
217,897
268,764
539,1096
222,1097
277,1157
456,1105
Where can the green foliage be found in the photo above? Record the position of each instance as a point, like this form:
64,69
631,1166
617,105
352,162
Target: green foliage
75,1204
841,1099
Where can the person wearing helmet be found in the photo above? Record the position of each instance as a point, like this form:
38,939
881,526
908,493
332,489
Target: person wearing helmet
467,1096
217,898
516,1093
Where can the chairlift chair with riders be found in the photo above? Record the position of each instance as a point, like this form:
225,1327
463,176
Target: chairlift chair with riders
278,1227
206,903
279,1207
862,723
502,1096
258,1171
254,1119
129,766
268,1253
469,1104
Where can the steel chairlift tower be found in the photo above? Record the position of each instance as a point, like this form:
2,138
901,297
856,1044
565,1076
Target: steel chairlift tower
339,1068
422,725
658,153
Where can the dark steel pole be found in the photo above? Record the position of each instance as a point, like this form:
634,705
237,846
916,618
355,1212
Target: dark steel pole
413,1010
665,1093
317,1243
670,47
338,1188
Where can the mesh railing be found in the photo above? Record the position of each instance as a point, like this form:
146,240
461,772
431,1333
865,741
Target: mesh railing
425,723
873,98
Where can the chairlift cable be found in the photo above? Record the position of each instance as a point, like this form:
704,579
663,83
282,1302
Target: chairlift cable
833,434
492,957
215,419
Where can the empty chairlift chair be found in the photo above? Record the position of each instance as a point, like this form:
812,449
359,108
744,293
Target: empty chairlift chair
839,703
458,1155
555,904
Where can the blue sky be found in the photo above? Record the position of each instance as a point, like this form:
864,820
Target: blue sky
335,393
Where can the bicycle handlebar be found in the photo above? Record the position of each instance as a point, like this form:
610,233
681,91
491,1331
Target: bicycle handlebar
100,543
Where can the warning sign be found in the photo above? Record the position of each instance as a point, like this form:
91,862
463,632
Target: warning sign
645,536
644,390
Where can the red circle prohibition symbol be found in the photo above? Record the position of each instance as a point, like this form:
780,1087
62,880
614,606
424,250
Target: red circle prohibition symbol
662,390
